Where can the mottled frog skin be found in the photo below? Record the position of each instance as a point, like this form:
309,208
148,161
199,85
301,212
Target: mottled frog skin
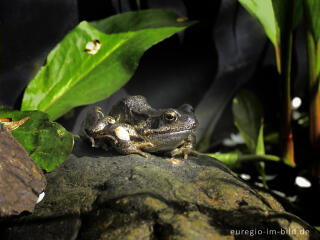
133,126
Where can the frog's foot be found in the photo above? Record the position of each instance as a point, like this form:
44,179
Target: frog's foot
183,151
93,143
134,151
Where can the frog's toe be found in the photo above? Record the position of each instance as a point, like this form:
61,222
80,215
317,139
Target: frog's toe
185,152
136,151
93,144
142,154
146,145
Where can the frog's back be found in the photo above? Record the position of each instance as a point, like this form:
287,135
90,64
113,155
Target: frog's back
131,109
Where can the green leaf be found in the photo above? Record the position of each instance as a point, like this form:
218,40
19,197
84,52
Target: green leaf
235,159
261,152
247,115
263,12
287,14
73,77
230,159
275,16
47,143
312,16
260,142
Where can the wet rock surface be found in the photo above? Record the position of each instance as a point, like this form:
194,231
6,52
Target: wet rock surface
97,195
21,180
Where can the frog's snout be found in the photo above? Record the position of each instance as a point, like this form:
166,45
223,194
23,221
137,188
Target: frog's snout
191,122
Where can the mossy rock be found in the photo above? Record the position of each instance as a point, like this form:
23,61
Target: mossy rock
100,195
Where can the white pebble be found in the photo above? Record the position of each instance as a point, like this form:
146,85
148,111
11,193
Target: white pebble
245,176
296,102
302,182
41,196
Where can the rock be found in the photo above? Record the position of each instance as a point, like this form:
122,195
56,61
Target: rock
21,180
131,197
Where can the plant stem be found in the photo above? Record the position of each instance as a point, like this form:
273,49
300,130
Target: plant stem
314,92
138,4
278,62
286,139
284,43
253,157
0,47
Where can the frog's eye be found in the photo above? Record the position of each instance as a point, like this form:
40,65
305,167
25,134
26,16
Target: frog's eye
170,116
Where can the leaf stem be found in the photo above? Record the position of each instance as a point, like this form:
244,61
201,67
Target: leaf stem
314,92
253,157
286,138
278,62
138,2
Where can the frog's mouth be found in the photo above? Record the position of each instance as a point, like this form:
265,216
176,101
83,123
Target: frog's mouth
167,131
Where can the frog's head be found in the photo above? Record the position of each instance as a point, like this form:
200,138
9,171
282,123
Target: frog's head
175,124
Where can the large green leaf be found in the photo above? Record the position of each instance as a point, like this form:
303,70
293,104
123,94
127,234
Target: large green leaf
312,15
287,14
275,16
73,77
262,10
247,115
47,143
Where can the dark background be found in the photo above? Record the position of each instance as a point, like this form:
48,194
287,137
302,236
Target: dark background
204,66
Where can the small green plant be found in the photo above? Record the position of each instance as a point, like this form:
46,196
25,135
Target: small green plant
248,118
279,18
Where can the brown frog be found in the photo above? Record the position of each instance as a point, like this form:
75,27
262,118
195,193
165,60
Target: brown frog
133,126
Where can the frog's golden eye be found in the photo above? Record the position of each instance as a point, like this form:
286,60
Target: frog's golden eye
170,116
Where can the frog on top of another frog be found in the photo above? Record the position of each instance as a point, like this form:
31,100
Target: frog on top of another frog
133,126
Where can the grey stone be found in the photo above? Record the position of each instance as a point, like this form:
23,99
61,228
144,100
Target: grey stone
131,197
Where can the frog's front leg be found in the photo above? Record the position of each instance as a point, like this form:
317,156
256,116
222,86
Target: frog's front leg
128,141
187,148
93,116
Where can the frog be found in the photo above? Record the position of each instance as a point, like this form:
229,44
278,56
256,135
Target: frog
134,127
